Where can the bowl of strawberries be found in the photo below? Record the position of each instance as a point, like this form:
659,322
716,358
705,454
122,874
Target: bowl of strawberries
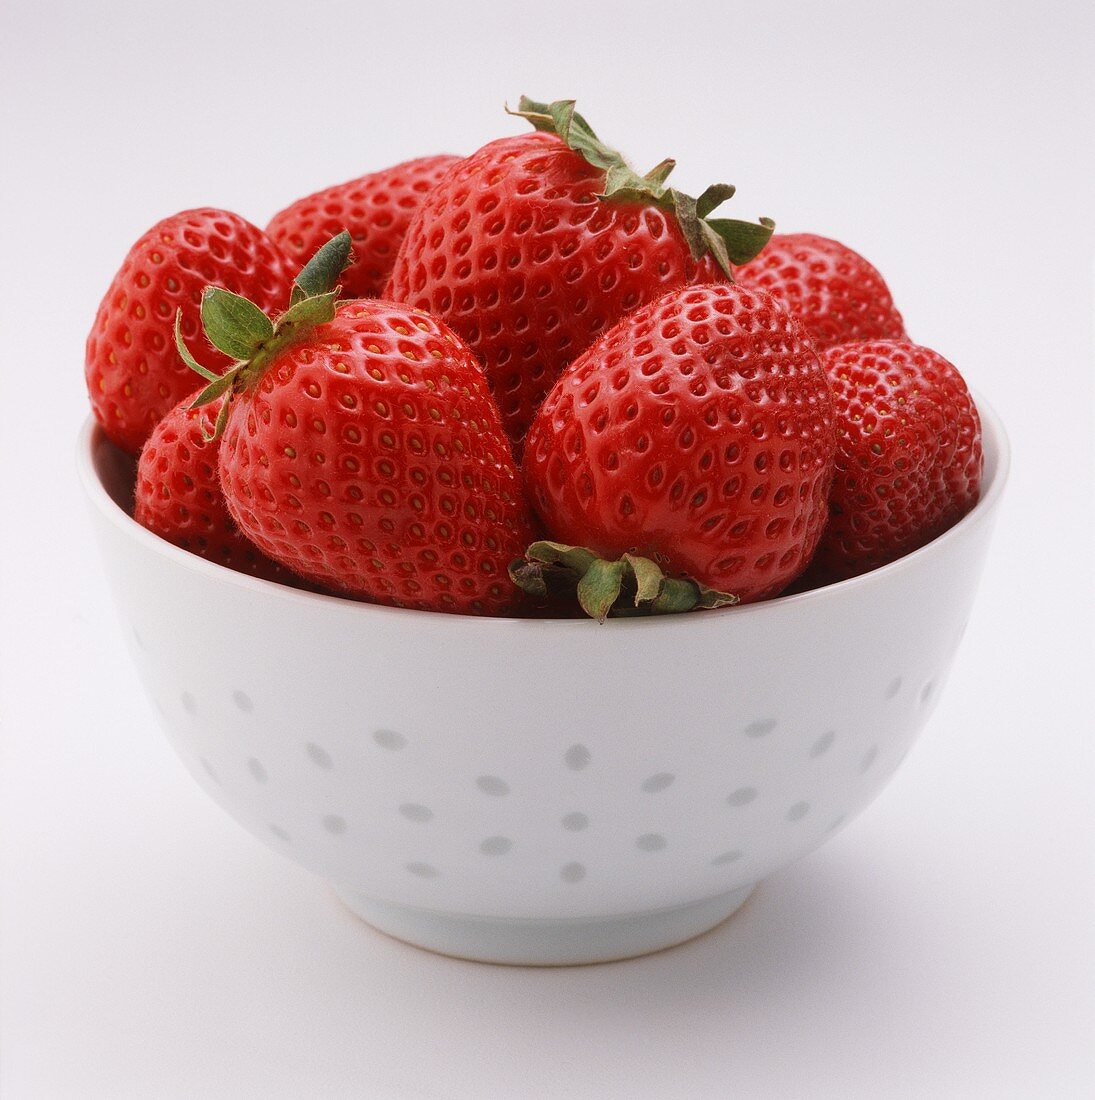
535,556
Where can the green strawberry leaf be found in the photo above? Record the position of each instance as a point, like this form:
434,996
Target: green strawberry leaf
717,247
579,135
233,324
678,595
708,597
649,578
575,557
632,585
624,184
562,119
216,388
684,209
744,241
240,329
320,274
600,586
309,312
713,197
222,419
660,172
184,351
729,242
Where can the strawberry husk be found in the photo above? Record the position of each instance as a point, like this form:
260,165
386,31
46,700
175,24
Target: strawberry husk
728,240
627,587
240,329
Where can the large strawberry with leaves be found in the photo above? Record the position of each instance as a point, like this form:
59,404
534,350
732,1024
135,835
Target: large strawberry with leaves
837,294
361,448
697,436
134,374
909,458
375,210
535,245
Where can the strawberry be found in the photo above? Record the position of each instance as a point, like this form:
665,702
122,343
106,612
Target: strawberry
698,433
134,374
375,209
908,461
535,245
178,494
837,295
362,449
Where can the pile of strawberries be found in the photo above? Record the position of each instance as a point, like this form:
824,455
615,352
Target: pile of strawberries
498,383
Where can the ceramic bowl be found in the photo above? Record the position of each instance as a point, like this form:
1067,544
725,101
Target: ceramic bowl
538,791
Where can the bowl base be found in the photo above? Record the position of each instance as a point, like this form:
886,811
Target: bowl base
562,942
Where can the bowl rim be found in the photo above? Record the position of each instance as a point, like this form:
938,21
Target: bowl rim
91,433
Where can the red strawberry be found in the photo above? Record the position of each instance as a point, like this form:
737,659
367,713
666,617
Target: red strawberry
134,374
363,451
698,432
908,463
179,496
837,295
375,209
535,245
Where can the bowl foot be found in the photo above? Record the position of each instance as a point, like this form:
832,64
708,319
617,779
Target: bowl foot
562,942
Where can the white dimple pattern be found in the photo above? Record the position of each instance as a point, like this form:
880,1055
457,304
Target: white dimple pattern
750,813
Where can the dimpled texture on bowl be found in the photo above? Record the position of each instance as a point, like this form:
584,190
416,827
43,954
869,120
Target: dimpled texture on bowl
539,769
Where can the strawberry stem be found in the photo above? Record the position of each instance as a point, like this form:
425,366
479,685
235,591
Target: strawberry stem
728,241
629,586
240,329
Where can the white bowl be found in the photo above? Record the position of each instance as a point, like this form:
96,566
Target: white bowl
539,791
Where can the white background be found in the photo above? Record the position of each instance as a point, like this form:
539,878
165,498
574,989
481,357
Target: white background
942,945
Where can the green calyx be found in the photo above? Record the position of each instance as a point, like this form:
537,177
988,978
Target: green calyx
729,241
240,329
629,586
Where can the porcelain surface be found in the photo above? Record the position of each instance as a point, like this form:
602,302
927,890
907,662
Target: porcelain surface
439,769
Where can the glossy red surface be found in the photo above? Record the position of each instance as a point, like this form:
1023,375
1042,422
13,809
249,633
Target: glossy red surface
514,250
908,461
699,432
371,458
134,374
376,211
